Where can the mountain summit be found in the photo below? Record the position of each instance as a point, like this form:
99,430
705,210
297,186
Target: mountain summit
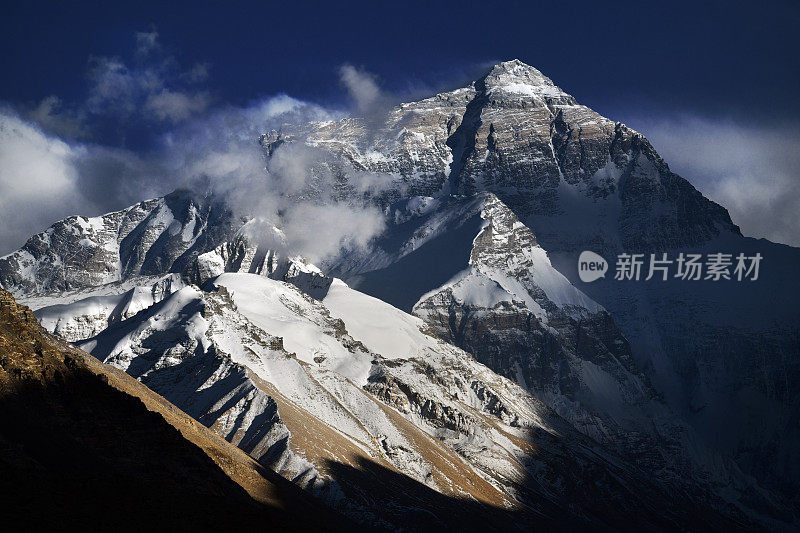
515,78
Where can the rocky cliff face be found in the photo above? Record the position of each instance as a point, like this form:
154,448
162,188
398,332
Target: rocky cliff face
150,238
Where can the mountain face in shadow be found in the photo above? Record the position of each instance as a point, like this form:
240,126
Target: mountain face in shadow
84,445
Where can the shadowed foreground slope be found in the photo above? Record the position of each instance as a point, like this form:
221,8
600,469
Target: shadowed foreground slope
82,443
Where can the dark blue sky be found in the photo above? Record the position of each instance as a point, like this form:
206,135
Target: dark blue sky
717,58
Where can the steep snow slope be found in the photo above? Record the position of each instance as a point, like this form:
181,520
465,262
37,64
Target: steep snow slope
382,328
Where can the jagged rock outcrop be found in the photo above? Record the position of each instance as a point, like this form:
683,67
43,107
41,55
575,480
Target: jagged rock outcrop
241,255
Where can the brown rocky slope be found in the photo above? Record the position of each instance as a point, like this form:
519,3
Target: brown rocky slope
83,444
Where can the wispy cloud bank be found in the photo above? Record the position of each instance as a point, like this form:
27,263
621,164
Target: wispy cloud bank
175,106
52,115
302,192
305,191
753,171
362,88
209,149
154,85
369,102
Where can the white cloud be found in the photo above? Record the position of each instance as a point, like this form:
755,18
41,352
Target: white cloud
753,171
37,179
175,106
154,88
299,188
368,99
361,86
319,231
53,116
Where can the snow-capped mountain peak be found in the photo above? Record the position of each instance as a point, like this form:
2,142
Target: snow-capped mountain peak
492,191
515,78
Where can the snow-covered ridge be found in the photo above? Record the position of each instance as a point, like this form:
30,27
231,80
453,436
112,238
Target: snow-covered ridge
94,311
506,263
286,368
153,238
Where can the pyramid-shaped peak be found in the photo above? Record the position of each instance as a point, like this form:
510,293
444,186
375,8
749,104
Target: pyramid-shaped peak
517,68
519,78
